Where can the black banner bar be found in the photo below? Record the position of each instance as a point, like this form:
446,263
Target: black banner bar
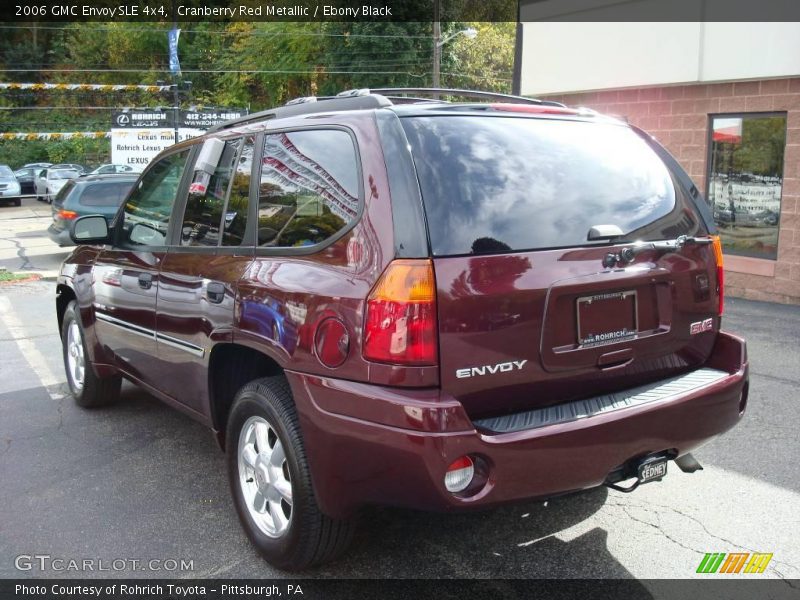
384,11
730,587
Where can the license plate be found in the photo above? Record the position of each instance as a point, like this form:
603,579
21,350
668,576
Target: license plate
652,470
607,318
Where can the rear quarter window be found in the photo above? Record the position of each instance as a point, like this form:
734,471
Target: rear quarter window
309,190
501,184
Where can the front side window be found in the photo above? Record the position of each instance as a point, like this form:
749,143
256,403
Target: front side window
204,209
145,216
745,182
309,187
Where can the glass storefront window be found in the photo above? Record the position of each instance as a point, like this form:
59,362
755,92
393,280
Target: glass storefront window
745,181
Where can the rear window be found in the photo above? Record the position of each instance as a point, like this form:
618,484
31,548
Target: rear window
110,193
501,184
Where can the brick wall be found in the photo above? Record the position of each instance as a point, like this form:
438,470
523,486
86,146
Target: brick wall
678,116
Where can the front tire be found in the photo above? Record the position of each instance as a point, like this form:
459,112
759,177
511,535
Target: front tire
271,482
88,390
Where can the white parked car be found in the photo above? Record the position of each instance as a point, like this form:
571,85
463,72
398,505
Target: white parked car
50,181
9,186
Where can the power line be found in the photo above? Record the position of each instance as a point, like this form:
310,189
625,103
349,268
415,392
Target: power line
243,71
230,33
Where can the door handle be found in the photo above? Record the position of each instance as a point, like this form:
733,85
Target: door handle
145,280
215,292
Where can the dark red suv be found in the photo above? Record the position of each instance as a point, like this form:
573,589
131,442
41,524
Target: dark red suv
380,299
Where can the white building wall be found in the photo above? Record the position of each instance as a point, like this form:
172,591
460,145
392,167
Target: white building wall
559,57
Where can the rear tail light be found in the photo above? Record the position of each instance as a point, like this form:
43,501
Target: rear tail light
459,475
401,324
717,247
67,215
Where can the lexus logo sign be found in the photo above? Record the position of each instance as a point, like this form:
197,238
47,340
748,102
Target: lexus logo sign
123,119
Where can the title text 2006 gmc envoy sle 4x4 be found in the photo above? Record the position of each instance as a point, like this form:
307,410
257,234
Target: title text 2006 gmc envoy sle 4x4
380,299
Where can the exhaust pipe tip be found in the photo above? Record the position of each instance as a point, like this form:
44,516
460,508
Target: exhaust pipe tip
688,463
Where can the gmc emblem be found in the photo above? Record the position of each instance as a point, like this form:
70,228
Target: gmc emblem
701,326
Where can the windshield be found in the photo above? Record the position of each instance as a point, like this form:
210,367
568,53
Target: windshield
499,184
5,171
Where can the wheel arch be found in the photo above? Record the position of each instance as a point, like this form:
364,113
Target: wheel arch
230,367
64,295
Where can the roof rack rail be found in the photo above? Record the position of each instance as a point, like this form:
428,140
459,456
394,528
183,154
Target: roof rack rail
479,95
305,106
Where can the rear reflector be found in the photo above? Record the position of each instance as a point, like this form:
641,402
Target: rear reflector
400,325
459,474
717,247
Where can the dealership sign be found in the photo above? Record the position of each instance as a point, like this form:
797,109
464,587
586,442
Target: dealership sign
138,135
192,123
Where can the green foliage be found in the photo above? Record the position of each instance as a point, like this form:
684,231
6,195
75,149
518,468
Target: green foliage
762,147
485,62
390,54
242,64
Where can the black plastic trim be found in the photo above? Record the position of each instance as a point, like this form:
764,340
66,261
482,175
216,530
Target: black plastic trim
408,212
307,108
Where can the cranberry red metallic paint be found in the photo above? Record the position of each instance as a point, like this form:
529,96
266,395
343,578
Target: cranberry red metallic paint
358,369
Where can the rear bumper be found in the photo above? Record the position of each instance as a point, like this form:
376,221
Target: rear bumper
372,445
60,236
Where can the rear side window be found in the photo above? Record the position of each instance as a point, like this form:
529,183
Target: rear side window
501,184
309,187
105,194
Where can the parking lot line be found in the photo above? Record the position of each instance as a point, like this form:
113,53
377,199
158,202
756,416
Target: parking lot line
33,356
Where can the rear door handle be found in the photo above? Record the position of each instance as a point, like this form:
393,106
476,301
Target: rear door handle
215,291
145,280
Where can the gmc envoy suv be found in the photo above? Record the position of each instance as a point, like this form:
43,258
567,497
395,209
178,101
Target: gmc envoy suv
378,298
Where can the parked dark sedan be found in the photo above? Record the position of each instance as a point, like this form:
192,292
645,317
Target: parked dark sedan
90,195
26,177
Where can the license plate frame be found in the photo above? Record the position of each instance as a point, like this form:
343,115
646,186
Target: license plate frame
623,318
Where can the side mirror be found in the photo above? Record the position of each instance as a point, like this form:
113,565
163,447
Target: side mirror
147,235
91,229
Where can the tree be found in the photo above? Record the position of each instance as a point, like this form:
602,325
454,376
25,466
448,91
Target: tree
485,62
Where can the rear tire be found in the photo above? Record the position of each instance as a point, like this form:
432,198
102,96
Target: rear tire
88,390
271,481
18,202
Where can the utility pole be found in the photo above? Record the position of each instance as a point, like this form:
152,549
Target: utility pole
437,44
176,99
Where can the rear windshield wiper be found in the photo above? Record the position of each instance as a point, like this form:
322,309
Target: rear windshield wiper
629,253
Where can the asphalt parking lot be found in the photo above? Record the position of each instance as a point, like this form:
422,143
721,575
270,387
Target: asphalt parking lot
139,481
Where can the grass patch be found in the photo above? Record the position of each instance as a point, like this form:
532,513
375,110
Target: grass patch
8,277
